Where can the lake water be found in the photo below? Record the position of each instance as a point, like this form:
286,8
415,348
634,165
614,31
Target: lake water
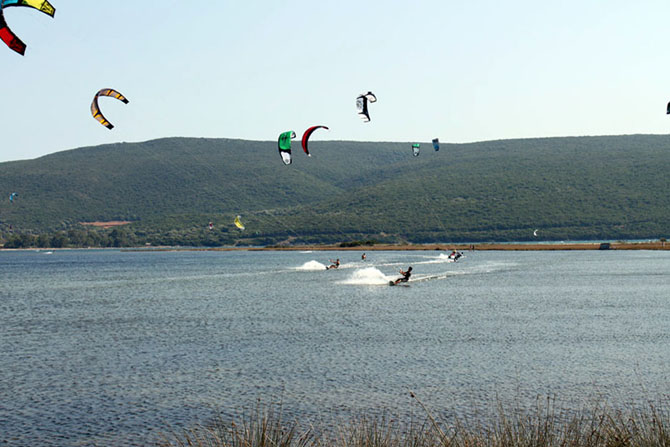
103,347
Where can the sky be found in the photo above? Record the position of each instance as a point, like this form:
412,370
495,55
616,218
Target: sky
461,71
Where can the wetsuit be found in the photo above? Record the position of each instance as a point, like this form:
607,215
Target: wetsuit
405,277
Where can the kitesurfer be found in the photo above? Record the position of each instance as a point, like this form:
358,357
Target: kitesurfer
405,276
335,264
363,257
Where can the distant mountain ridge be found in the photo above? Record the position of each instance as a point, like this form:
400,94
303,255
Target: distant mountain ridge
568,188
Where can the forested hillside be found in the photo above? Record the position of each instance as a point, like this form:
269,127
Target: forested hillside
170,189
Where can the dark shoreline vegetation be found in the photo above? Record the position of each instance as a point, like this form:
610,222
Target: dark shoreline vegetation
167,191
546,425
117,238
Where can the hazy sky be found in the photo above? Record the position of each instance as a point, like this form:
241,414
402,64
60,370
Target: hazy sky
458,70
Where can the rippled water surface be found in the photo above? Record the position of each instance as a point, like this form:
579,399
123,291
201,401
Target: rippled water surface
114,348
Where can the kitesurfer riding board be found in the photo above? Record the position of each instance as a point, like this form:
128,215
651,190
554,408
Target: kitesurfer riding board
335,264
404,278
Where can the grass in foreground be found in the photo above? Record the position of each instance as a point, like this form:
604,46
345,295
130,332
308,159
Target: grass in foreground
544,426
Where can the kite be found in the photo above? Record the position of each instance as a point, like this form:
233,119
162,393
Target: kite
9,38
41,5
436,144
306,135
95,110
238,223
415,149
284,145
668,112
362,105
6,35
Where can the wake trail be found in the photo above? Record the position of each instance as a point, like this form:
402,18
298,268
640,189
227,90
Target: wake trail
314,265
310,266
373,276
369,276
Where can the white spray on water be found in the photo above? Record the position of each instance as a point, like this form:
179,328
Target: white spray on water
367,276
311,265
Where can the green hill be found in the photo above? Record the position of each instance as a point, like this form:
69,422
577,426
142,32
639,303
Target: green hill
569,188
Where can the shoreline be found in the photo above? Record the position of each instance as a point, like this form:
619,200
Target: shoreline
492,246
485,246
482,246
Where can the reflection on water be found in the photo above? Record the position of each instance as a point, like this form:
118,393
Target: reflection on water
113,347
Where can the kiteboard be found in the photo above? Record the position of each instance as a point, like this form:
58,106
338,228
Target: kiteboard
404,284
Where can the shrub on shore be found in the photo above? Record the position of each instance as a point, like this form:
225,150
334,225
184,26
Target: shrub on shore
544,426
